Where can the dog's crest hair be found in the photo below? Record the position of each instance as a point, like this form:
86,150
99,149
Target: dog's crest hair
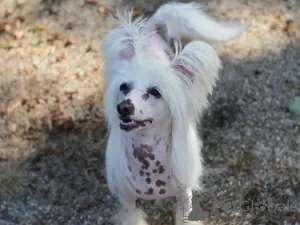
184,83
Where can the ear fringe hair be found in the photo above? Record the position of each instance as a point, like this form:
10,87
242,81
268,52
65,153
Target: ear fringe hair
202,60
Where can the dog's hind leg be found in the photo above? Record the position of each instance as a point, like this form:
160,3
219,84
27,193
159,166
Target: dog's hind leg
184,207
129,214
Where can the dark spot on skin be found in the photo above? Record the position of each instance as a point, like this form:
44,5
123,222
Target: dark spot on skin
141,157
139,154
160,139
157,163
169,177
161,169
133,177
138,191
159,183
129,168
133,145
148,148
157,142
151,156
145,164
145,96
145,154
132,138
134,153
141,173
143,135
149,192
148,180
147,174
141,111
162,191
155,171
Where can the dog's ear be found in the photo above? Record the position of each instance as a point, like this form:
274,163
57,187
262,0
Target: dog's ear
184,69
127,51
199,62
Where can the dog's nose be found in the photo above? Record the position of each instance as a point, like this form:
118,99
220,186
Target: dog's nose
125,108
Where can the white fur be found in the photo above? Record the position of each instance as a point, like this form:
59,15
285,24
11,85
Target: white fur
188,21
184,98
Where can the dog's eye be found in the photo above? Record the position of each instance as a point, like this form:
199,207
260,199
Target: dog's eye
155,93
124,88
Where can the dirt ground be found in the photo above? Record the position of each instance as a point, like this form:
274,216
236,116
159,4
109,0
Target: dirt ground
52,130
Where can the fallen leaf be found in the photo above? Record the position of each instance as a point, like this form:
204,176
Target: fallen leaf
102,9
7,14
21,19
91,2
60,57
32,137
21,2
88,205
57,151
2,109
18,34
12,106
69,26
2,26
290,27
291,218
7,27
70,41
12,128
258,188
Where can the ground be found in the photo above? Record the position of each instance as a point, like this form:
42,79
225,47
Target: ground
53,134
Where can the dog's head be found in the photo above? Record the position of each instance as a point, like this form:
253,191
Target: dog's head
144,90
140,104
146,83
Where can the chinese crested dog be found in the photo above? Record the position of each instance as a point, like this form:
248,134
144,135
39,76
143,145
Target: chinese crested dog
154,96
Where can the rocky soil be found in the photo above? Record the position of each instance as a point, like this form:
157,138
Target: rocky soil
52,130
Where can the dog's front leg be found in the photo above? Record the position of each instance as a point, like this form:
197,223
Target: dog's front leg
184,208
129,214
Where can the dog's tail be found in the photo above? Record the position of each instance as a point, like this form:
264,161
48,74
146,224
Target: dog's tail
188,21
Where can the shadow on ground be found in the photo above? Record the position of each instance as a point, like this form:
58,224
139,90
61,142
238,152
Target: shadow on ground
251,148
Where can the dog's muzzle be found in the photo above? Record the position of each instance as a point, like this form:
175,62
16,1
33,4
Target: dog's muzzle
125,108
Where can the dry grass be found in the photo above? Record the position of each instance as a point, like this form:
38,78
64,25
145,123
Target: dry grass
50,83
52,130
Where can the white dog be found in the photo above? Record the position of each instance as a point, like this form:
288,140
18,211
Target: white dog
153,101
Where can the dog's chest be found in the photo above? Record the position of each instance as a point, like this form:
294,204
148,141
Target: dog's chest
149,167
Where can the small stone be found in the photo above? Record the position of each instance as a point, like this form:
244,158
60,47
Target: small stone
288,122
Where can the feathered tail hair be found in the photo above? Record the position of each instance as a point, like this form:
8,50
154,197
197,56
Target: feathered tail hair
188,21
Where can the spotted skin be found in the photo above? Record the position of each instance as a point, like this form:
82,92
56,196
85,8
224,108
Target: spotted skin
145,96
148,158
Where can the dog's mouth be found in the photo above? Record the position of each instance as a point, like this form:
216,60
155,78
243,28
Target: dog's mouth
128,124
